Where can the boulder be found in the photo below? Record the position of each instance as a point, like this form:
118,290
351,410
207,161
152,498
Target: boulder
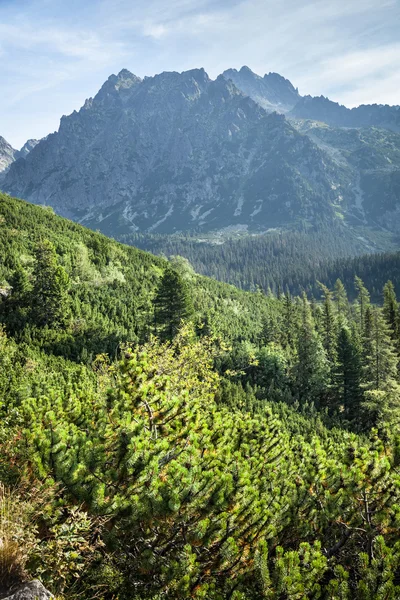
34,590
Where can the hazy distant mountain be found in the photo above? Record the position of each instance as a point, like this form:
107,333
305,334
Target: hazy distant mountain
273,92
336,115
179,152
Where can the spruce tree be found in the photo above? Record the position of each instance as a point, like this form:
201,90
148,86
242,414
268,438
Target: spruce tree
391,310
288,324
381,362
342,302
363,300
329,329
348,373
50,301
312,369
382,391
172,305
14,310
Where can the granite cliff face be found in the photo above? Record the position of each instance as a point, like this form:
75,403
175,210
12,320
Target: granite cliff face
180,152
26,148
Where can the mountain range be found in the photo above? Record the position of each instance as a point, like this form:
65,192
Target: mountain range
180,152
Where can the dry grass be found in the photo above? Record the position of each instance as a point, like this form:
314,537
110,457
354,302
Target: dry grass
16,537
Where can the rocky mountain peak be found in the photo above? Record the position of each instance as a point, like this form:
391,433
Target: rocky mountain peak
179,151
117,88
126,80
273,92
224,88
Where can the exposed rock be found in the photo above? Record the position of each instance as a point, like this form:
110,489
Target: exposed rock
7,156
273,92
179,152
34,590
27,147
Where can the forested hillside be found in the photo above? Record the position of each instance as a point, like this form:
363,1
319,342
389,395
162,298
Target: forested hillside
284,260
164,435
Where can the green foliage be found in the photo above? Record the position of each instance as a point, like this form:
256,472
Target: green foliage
251,454
279,260
172,304
50,288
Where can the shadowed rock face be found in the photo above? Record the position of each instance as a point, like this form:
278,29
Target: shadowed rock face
180,152
33,590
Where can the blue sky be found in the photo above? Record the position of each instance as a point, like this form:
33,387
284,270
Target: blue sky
56,53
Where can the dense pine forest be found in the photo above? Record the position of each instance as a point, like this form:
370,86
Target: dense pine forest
285,260
166,435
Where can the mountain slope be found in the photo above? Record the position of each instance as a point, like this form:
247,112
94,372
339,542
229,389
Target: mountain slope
277,260
177,152
113,285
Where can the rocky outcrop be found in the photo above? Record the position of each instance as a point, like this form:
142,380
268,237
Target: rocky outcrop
33,590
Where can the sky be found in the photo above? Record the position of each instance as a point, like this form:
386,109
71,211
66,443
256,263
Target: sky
56,53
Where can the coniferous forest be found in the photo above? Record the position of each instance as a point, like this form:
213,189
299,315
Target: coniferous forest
166,435
294,260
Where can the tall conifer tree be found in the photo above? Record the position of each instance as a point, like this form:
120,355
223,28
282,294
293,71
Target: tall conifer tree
50,288
348,373
172,304
363,300
312,369
342,302
382,391
391,311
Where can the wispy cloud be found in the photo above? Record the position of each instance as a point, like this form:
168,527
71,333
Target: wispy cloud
54,54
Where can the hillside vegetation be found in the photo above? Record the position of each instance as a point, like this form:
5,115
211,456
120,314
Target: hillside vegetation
164,435
285,260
